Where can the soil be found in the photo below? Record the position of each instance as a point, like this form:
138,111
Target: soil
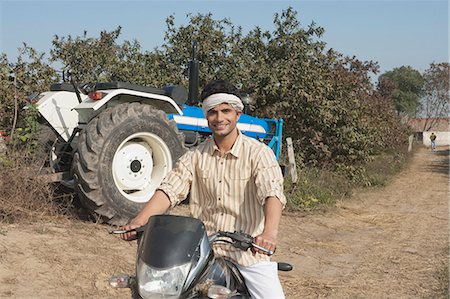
389,242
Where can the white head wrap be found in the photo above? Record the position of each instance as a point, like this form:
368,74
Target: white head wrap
220,98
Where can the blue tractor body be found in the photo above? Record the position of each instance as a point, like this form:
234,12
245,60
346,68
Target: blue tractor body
267,130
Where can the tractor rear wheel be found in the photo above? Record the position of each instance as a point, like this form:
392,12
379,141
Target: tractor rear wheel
51,150
122,157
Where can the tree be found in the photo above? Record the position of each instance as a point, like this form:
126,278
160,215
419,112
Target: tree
91,59
217,41
86,59
18,80
408,84
435,102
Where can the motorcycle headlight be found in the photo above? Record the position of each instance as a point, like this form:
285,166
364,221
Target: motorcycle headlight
161,283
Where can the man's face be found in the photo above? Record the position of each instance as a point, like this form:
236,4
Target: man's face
222,119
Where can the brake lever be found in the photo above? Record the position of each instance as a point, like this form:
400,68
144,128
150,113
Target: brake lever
269,252
139,229
244,241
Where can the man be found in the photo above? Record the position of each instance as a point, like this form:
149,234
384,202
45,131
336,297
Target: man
433,141
234,184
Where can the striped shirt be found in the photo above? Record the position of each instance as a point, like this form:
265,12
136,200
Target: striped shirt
227,191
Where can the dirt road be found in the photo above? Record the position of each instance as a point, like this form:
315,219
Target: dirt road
390,242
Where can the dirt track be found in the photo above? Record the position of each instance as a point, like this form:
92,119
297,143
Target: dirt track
390,242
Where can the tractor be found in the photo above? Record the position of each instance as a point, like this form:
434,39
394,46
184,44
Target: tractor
115,141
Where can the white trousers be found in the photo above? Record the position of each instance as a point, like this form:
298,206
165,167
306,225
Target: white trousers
262,280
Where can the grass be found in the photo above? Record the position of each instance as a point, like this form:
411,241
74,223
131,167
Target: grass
316,188
320,187
383,167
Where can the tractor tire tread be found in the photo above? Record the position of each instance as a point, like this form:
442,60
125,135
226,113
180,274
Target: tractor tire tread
88,158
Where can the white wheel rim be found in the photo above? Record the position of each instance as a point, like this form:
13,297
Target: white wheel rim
139,165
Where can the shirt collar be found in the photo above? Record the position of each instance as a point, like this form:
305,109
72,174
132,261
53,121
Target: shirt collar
235,149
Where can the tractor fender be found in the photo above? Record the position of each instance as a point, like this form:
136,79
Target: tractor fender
114,96
57,108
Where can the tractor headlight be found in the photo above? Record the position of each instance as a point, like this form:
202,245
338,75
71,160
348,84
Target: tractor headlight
161,283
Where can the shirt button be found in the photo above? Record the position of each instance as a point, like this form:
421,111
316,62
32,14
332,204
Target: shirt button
219,198
220,182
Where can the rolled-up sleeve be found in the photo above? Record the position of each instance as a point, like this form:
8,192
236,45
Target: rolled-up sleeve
178,181
268,177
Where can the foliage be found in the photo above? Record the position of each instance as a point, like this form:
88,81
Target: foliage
391,134
26,133
408,84
29,74
89,59
436,93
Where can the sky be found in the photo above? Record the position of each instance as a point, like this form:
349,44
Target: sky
393,33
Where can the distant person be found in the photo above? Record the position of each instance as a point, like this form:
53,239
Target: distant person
433,142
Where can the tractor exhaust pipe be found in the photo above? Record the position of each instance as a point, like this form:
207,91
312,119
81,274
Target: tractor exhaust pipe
193,77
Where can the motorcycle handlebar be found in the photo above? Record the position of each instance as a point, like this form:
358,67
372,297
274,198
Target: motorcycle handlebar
243,241
240,240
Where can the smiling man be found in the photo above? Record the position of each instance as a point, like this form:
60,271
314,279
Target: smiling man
234,184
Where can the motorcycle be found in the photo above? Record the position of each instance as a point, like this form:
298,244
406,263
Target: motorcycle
175,259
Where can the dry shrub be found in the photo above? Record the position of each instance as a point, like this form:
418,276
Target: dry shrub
24,195
384,166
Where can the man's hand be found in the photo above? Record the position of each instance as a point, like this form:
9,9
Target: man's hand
157,205
134,223
267,241
268,238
